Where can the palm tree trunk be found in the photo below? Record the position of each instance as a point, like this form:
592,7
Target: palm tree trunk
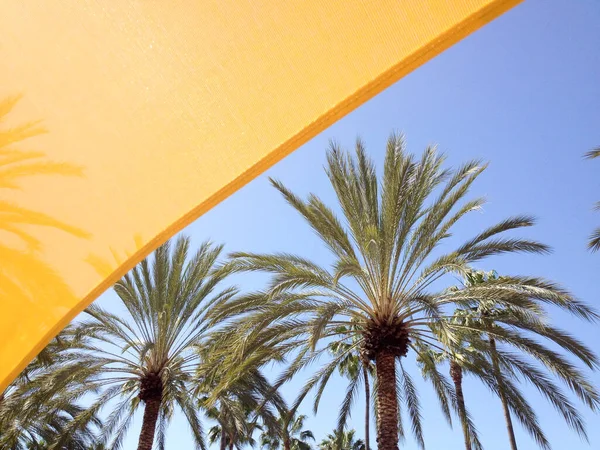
223,443
456,375
367,403
497,373
387,401
286,444
151,411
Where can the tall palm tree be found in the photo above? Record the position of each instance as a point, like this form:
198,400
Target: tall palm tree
383,270
487,322
288,434
342,440
146,353
594,243
475,279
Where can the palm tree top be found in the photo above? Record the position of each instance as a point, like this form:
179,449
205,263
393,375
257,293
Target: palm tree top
42,408
148,354
287,433
594,242
342,440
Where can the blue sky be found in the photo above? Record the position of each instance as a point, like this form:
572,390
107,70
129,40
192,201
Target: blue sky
522,93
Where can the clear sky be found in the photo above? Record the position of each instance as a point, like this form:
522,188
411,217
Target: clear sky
522,93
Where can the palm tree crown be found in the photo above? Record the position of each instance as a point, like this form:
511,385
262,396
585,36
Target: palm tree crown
147,353
234,428
38,409
288,434
238,403
342,440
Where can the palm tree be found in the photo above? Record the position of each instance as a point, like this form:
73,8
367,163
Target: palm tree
498,369
230,431
146,354
36,409
357,368
475,279
457,357
219,433
342,440
232,388
594,243
229,440
288,434
239,406
34,418
383,270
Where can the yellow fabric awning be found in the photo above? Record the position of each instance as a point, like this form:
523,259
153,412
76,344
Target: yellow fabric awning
123,121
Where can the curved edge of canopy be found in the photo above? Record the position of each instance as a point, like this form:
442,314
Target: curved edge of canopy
450,37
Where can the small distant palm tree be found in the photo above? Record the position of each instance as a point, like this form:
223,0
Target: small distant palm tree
355,366
232,388
146,355
237,408
342,440
231,432
457,357
594,243
288,434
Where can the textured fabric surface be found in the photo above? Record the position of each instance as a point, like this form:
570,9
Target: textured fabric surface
123,121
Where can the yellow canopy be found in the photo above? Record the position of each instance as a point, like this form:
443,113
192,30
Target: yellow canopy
123,121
